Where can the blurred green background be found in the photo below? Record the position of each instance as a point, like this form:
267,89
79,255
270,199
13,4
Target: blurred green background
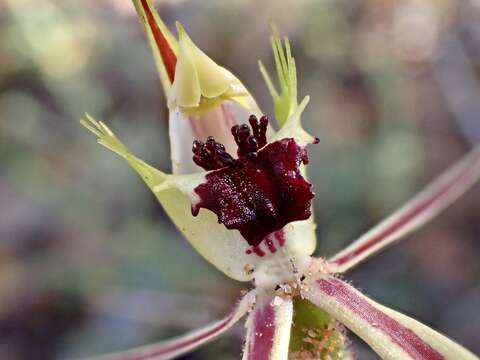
89,263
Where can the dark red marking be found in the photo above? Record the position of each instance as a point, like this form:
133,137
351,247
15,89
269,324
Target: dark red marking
210,155
249,143
262,190
408,216
262,334
280,236
168,56
258,251
270,245
407,340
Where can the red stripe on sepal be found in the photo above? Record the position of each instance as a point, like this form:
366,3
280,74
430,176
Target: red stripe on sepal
408,216
260,347
168,56
405,338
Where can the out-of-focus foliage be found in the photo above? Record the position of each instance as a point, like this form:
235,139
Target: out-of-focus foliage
88,261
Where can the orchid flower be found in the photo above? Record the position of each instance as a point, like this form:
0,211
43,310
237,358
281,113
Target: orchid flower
242,199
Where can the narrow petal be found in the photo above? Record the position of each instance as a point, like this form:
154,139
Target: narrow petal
287,110
163,44
418,211
285,100
390,334
268,329
183,344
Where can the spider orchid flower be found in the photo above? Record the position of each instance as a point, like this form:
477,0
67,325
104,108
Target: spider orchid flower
243,201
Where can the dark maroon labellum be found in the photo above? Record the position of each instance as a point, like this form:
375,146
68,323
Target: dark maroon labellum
262,190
